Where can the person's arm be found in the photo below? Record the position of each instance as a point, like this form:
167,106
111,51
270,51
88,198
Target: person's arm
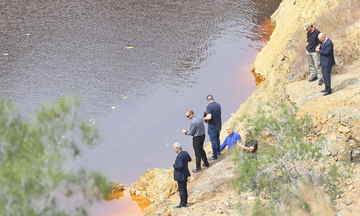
249,149
178,164
191,131
224,144
189,158
328,49
207,117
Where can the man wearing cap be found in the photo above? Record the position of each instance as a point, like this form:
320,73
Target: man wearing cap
312,56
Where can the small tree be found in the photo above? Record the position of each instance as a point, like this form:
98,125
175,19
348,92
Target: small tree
286,161
36,157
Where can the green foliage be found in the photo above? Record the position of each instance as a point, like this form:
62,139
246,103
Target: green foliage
285,160
36,158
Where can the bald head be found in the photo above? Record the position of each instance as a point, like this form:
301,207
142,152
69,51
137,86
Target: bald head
229,130
322,37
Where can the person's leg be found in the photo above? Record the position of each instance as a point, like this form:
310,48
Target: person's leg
326,74
316,58
183,192
218,140
212,135
197,145
203,154
186,194
311,64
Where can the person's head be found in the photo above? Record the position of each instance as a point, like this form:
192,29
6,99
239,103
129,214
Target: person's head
229,130
177,147
309,27
189,114
209,98
322,37
248,133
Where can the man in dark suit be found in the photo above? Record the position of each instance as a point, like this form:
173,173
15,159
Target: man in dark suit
327,60
181,172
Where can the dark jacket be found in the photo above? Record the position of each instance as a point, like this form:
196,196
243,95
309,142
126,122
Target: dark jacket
327,54
181,170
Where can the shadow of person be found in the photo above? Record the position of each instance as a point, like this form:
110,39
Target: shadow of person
346,83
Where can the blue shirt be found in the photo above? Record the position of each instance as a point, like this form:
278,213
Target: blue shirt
214,109
197,127
230,141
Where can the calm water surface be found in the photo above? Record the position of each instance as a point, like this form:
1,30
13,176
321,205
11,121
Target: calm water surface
151,60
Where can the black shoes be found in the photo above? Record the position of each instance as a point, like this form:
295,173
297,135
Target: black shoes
207,166
320,82
196,170
313,79
180,206
212,158
325,92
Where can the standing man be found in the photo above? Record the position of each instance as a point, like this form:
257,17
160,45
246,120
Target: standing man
213,117
197,130
327,60
181,173
313,57
231,139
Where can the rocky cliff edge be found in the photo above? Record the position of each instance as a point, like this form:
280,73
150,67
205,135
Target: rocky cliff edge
282,66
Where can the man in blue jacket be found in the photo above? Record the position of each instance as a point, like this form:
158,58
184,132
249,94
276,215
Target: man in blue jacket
181,172
326,50
231,139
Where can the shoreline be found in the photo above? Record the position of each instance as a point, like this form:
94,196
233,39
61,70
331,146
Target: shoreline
336,116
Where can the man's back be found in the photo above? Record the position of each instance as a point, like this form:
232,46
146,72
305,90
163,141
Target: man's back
197,126
327,54
214,109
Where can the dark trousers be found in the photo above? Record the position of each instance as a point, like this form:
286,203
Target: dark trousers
198,145
327,80
183,192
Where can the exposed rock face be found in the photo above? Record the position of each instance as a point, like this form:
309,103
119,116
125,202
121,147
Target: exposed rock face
157,184
288,18
281,68
336,117
117,188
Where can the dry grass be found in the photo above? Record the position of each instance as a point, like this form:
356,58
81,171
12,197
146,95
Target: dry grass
335,21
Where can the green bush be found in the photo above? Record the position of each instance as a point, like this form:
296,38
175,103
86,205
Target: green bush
287,159
36,157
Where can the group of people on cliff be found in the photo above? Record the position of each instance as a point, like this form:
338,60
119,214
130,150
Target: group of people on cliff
320,57
212,117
